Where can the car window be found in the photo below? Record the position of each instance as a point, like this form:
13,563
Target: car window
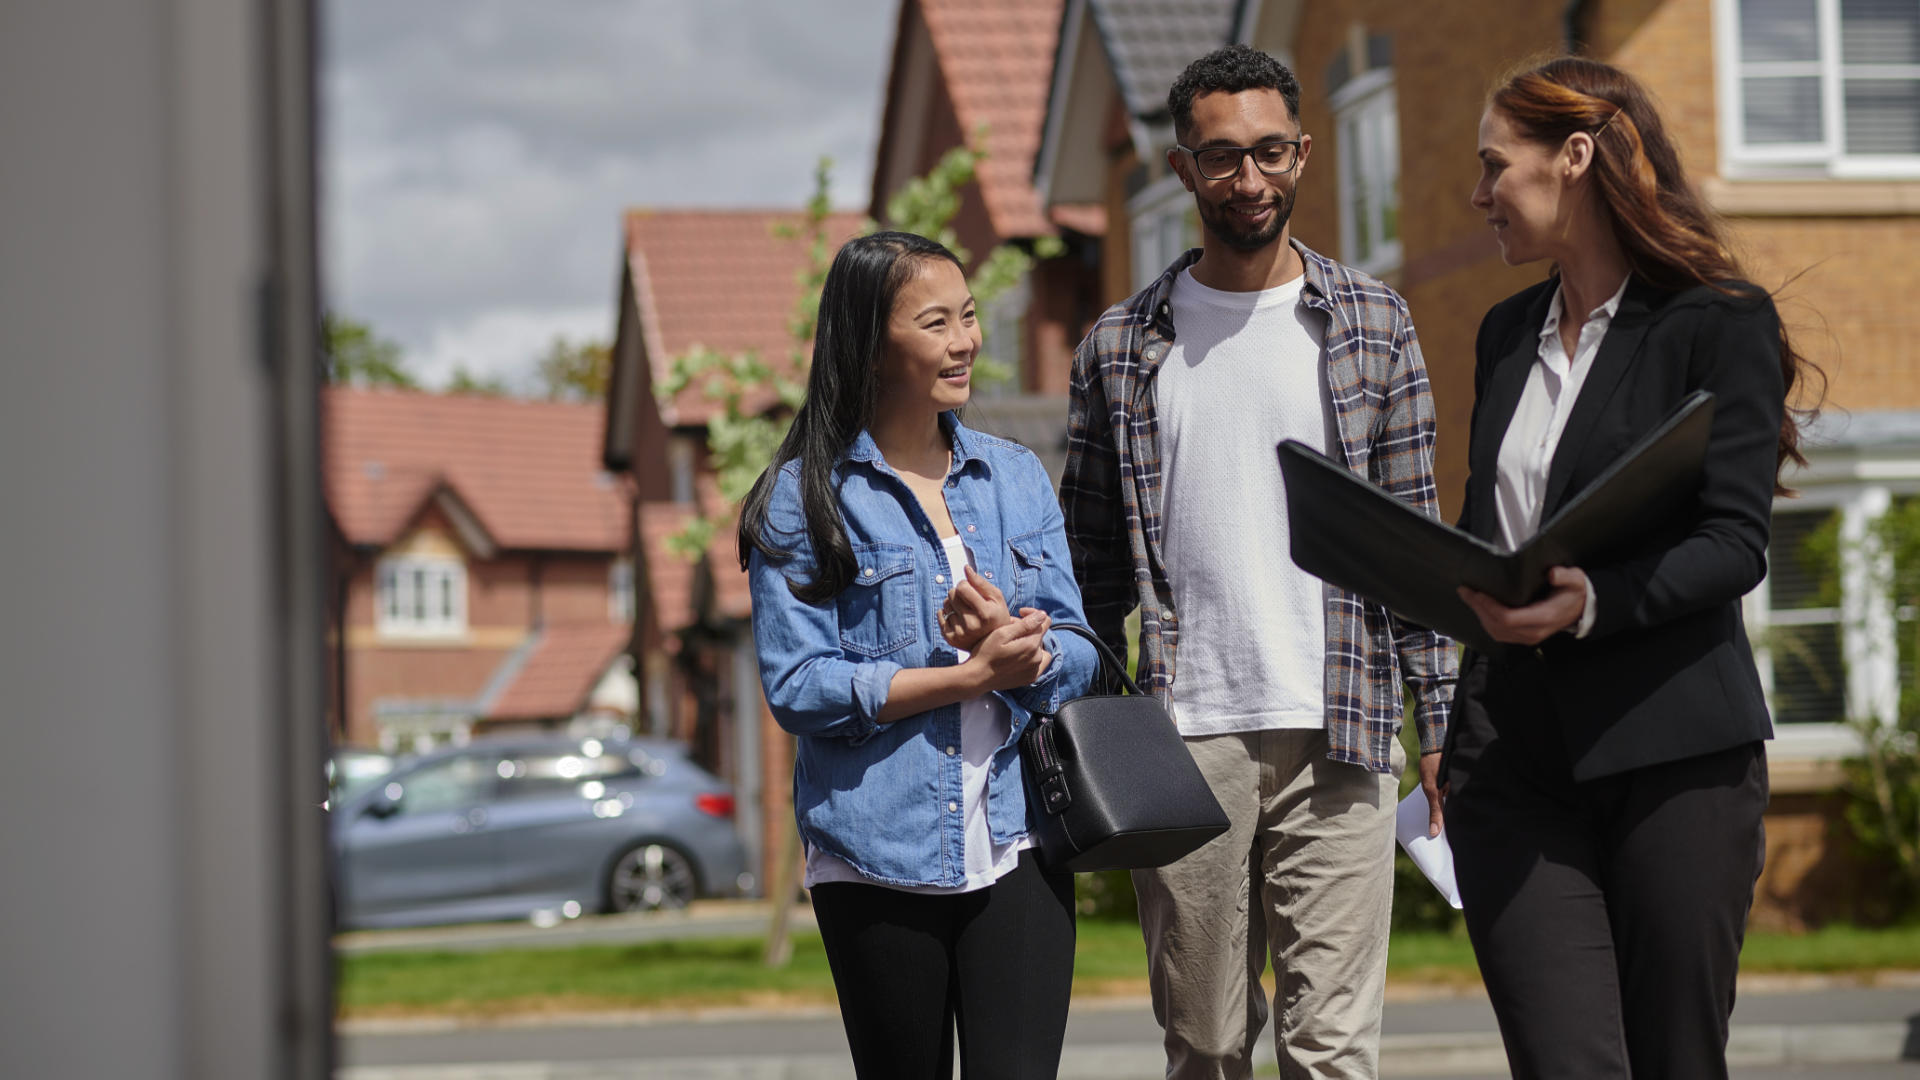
448,785
350,774
530,776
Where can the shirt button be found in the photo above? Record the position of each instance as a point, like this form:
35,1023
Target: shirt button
939,579
969,528
868,572
951,751
989,575
952,807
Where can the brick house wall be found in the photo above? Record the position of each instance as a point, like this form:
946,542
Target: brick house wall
505,596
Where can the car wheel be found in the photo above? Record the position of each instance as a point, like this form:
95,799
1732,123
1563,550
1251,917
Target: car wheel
651,877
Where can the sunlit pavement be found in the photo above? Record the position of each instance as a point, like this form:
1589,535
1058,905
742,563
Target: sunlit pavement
1784,1028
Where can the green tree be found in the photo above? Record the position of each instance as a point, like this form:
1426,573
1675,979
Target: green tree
356,356
570,371
465,381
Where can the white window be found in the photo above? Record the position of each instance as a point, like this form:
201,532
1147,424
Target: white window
1829,645
620,590
1165,225
421,596
1804,666
1367,131
1820,87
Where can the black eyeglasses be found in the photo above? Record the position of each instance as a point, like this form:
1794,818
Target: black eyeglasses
1275,158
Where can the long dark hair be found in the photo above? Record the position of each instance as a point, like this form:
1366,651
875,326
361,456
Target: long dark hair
856,302
1673,240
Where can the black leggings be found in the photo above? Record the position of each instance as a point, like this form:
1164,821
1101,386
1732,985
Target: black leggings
909,967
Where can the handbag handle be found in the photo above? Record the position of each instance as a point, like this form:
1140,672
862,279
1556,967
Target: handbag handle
1110,665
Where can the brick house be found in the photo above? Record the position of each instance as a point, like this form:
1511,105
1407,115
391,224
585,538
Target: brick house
1803,128
482,579
960,66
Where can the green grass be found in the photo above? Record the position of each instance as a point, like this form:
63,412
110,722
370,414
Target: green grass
681,973
1834,948
1109,959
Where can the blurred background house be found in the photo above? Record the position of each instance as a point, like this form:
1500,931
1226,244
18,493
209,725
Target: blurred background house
483,569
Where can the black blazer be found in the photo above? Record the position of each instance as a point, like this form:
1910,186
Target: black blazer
1666,671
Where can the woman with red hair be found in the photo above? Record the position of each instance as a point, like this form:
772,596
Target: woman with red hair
1606,769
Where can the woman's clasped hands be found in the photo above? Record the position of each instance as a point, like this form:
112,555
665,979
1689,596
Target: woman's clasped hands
1009,650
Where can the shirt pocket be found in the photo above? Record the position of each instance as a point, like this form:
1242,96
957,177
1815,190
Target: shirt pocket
1029,559
879,609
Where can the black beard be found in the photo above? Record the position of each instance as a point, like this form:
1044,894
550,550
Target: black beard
1214,217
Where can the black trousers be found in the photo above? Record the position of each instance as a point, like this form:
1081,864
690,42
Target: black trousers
997,963
1606,915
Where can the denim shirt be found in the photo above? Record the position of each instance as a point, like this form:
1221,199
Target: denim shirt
886,797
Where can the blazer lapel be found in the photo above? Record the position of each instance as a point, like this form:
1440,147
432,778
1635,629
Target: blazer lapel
1500,399
1616,354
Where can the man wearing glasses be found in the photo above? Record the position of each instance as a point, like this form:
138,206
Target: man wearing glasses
1288,691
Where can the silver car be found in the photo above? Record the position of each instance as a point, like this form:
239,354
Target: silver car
542,827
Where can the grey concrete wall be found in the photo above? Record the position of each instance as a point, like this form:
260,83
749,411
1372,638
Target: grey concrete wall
153,855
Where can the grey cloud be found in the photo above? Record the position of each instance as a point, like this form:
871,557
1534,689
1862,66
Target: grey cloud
478,152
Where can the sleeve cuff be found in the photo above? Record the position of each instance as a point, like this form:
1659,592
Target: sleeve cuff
1042,694
1430,719
1587,616
871,683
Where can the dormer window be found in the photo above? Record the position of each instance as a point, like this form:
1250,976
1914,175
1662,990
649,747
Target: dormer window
421,596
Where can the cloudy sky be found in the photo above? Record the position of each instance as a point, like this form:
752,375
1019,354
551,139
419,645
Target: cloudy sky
477,154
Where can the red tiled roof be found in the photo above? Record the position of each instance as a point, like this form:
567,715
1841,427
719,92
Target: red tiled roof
997,59
566,663
529,471
721,279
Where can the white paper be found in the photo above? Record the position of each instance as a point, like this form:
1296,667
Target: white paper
1430,853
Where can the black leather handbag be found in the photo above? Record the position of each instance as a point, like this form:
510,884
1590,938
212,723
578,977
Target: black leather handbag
1110,784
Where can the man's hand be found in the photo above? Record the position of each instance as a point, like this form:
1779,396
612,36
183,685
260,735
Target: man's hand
1538,621
974,609
1013,655
1430,783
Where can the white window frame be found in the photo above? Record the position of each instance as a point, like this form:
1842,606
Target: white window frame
1164,225
1864,617
1827,157
1367,103
393,603
621,599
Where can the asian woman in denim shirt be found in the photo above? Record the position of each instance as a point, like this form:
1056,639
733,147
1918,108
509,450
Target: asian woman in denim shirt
906,572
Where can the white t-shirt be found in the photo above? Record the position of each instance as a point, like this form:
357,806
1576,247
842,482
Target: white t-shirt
1245,371
985,724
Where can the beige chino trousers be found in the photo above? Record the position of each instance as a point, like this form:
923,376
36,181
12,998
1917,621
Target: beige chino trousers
1304,874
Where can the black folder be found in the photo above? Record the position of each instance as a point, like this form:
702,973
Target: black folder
1362,539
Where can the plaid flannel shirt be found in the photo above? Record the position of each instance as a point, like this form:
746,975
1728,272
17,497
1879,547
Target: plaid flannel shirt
1111,497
